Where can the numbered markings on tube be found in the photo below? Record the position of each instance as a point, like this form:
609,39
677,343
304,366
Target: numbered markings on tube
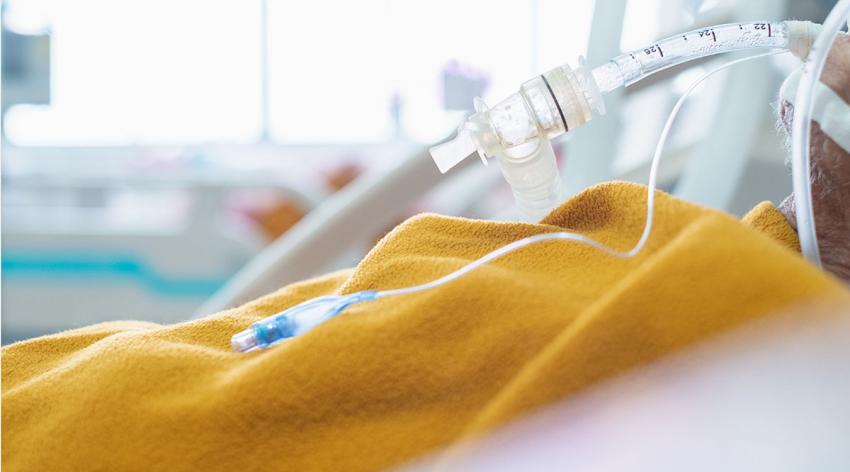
709,33
763,27
653,49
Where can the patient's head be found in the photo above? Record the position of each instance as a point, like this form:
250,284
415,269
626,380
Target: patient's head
830,172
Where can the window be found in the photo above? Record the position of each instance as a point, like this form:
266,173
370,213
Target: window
162,72
144,72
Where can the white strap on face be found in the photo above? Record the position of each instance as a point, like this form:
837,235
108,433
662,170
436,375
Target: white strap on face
828,110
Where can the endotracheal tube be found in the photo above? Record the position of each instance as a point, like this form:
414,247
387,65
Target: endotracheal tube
517,131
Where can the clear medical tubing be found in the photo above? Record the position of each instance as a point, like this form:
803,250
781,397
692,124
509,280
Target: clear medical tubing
305,316
565,98
621,71
650,207
633,66
802,127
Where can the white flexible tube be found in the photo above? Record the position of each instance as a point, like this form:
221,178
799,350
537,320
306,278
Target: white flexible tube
634,66
802,128
580,238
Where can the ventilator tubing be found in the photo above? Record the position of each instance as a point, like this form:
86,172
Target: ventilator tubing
564,98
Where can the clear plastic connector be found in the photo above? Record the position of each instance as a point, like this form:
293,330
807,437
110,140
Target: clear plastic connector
295,321
517,131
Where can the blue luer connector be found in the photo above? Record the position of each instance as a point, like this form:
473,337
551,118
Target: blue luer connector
296,320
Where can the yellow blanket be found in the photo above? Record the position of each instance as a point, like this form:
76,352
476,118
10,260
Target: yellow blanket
393,379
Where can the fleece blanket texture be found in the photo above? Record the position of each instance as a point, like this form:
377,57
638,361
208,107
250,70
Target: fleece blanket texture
391,380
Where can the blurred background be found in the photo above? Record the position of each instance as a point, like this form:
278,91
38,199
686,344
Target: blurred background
167,159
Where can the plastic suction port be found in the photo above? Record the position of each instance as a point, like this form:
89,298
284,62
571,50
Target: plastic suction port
452,152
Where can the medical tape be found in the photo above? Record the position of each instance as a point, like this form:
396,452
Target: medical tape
829,110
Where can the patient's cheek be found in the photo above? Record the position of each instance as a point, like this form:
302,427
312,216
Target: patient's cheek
836,74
